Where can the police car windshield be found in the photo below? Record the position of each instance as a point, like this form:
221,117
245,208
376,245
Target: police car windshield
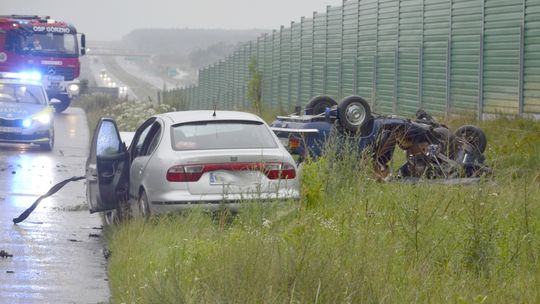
22,93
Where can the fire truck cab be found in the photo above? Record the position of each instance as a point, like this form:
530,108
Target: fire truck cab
33,44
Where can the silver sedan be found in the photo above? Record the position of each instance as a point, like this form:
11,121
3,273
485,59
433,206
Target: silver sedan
184,159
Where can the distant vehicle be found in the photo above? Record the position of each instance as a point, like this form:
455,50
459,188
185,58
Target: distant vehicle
185,159
26,116
432,150
33,44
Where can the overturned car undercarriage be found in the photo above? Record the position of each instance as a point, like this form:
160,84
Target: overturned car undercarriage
432,150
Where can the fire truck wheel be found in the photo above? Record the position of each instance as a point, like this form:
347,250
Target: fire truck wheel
318,104
63,104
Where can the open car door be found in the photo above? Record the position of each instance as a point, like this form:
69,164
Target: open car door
107,168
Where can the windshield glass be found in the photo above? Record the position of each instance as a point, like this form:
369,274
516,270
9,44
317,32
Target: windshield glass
208,135
22,93
44,44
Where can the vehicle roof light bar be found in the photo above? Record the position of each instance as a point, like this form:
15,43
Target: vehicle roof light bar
36,76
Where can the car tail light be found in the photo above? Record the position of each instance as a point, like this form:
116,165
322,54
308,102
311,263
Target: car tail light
279,171
294,142
192,173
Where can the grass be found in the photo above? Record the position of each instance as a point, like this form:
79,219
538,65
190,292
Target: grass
351,239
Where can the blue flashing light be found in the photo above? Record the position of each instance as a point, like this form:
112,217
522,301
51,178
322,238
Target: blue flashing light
27,122
36,76
31,76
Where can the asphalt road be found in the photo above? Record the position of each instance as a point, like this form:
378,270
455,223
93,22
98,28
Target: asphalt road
58,251
142,89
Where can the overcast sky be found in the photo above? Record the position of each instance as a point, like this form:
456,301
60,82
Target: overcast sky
111,19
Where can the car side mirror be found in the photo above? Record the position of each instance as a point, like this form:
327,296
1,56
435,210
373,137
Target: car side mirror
83,44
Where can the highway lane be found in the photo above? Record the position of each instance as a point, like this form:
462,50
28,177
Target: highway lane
144,90
58,251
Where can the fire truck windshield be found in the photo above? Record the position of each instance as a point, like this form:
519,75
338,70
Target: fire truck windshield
43,44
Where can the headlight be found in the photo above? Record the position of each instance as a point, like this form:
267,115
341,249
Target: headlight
43,118
27,122
73,87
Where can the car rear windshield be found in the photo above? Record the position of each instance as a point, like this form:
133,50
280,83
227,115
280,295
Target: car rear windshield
207,135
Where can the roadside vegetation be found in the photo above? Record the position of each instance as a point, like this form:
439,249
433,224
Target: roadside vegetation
127,114
351,239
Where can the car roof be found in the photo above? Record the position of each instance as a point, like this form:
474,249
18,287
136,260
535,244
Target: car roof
207,115
19,81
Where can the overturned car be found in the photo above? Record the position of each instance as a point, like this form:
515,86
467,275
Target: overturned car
432,150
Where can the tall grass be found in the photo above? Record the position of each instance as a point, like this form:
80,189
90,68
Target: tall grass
351,239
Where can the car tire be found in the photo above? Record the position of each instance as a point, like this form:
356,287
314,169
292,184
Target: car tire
50,144
121,213
473,136
144,207
354,113
110,218
64,103
318,104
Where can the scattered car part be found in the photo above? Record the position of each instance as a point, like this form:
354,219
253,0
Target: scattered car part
51,191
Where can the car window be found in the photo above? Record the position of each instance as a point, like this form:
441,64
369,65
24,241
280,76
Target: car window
152,139
108,142
139,138
208,135
22,93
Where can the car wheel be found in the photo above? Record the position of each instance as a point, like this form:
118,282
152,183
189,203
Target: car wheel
121,213
318,104
48,146
144,207
63,104
354,113
110,218
473,136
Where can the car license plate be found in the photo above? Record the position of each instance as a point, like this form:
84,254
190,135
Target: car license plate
10,130
57,78
53,85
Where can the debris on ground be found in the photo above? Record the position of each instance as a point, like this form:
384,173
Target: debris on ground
4,254
74,240
81,207
107,253
10,271
95,235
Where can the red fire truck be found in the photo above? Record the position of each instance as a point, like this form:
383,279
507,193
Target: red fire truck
44,49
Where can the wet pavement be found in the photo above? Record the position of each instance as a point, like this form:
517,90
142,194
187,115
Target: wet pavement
57,252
